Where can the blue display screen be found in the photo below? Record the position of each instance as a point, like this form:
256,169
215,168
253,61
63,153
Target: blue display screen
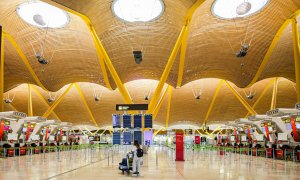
137,135
116,138
116,121
148,121
137,121
126,121
288,126
127,138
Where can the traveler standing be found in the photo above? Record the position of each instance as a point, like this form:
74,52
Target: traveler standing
137,157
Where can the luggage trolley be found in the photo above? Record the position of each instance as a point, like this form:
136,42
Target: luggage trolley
126,164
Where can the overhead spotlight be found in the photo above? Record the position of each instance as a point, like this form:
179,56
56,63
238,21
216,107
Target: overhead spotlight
41,59
198,97
146,98
97,98
251,96
7,101
50,100
138,56
243,52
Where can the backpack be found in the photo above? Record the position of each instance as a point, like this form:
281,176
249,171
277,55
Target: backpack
139,152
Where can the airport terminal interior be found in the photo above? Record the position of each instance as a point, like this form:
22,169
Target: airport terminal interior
154,89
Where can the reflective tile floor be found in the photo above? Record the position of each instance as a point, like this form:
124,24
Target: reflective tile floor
157,164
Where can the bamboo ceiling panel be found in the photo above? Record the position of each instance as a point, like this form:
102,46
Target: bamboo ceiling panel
184,107
70,50
15,72
20,101
156,39
281,63
286,97
209,52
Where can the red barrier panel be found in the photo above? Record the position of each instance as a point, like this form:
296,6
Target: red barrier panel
269,152
197,139
22,151
279,153
254,151
10,152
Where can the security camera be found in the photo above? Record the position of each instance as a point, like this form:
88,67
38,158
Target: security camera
7,101
251,96
243,52
97,98
41,59
50,100
138,56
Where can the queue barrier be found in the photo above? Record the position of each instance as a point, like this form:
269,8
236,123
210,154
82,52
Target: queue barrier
280,154
22,151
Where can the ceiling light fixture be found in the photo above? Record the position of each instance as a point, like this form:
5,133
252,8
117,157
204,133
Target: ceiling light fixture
42,15
138,10
230,9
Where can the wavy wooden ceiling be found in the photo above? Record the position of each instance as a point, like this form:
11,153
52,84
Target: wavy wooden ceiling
209,55
184,107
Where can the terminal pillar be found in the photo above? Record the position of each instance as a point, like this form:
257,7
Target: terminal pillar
179,146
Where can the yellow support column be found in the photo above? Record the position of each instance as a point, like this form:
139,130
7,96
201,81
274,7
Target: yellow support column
274,94
183,35
188,19
53,106
273,45
213,101
295,32
240,98
261,95
30,111
42,98
157,108
166,72
86,105
25,60
101,52
169,106
1,70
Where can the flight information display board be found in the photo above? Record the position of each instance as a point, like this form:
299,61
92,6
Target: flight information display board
116,138
127,138
148,121
288,126
126,121
137,135
116,121
137,121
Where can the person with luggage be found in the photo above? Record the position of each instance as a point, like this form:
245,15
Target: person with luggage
137,157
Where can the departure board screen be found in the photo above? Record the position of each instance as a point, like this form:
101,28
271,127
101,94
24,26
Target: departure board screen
116,138
288,126
148,121
116,120
137,121
138,136
126,121
127,138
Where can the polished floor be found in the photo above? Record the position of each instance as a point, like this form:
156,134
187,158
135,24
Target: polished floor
157,164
